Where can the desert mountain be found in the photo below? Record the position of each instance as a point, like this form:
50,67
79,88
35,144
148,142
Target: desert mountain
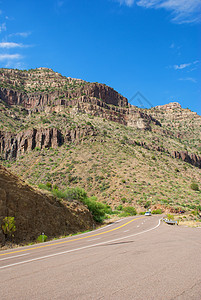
74,133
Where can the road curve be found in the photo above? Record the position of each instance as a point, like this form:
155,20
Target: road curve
135,258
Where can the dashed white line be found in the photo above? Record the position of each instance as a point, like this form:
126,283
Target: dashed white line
126,230
13,256
82,248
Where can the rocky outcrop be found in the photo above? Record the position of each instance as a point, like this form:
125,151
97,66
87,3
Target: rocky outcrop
169,106
192,159
36,213
44,90
106,94
39,99
130,116
138,119
99,100
95,94
14,145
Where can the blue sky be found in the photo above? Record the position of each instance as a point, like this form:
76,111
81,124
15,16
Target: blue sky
132,45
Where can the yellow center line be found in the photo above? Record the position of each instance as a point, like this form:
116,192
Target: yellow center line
68,241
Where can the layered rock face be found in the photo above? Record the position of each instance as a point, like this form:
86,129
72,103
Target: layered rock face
41,87
44,90
169,106
14,145
192,159
36,213
130,116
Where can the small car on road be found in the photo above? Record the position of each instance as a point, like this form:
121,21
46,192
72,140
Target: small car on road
148,213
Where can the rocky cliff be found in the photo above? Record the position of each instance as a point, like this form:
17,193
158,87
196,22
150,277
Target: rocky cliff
36,212
44,92
192,159
13,145
37,88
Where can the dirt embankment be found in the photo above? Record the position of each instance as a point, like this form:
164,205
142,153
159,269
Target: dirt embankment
36,212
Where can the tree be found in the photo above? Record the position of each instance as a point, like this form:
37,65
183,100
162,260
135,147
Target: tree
194,186
8,226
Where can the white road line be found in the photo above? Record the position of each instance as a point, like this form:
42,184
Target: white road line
126,230
82,248
13,256
138,225
73,236
119,221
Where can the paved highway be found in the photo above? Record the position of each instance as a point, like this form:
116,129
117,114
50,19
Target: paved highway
135,258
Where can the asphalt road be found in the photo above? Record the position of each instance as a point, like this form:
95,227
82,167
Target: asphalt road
136,258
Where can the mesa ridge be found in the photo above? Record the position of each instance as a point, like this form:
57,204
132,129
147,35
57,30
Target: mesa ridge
76,133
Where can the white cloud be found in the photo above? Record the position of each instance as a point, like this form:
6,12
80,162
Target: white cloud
126,2
21,34
183,11
188,79
184,66
15,65
10,57
2,27
9,45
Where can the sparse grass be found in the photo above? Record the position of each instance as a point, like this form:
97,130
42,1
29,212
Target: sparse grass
111,166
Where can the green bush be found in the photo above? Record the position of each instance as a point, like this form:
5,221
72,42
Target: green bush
142,213
170,217
194,186
8,226
55,187
147,204
123,200
70,194
97,209
44,187
124,214
49,185
195,212
157,211
42,238
130,210
120,207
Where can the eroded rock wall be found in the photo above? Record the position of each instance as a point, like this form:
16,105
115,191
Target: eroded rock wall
13,145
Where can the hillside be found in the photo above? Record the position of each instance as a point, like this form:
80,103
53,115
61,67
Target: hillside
73,133
36,212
